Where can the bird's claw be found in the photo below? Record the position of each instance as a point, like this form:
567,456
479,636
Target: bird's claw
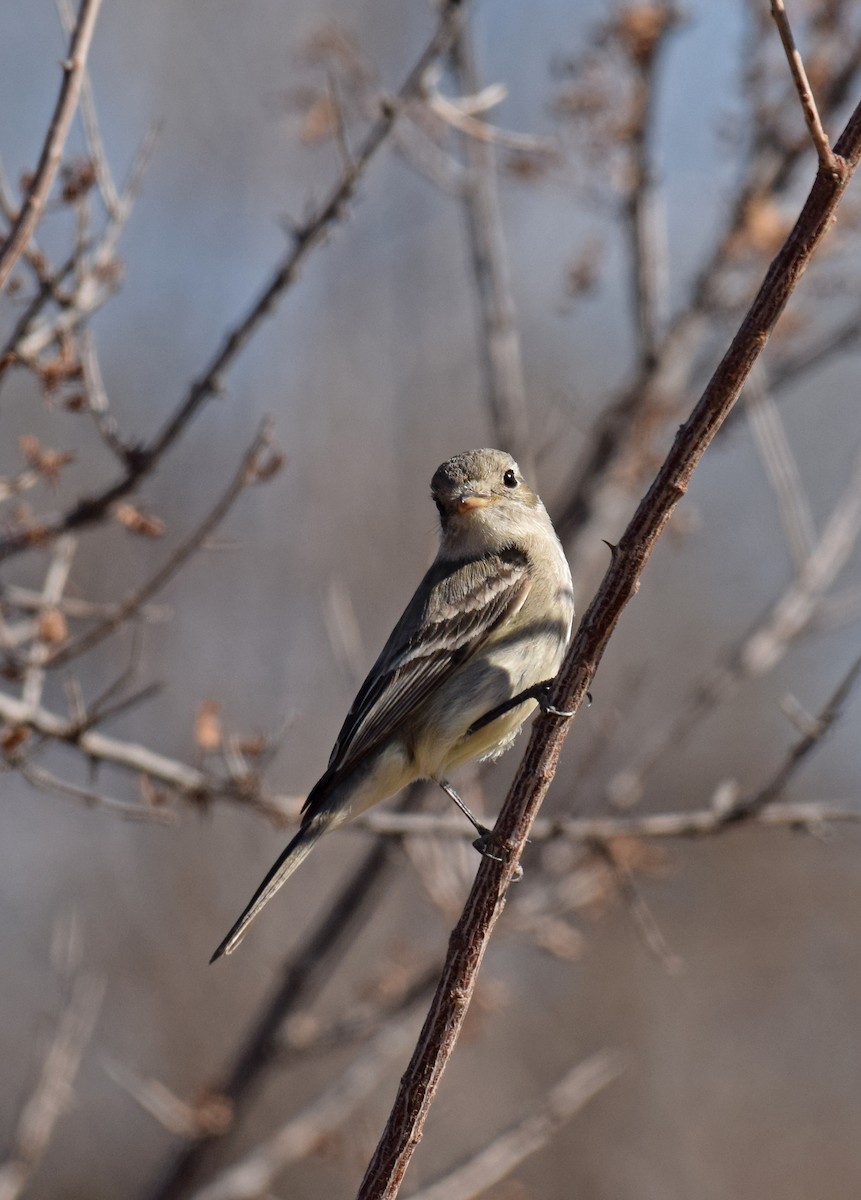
542,695
483,845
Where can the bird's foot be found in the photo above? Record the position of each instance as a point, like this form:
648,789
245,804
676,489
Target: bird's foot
484,845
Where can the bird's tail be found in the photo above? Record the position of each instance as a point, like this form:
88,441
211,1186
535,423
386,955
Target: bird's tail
296,851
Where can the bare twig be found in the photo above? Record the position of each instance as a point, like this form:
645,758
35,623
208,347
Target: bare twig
92,132
97,397
642,223
642,916
67,101
28,600
53,1091
504,386
56,578
765,645
459,114
750,806
827,158
100,748
46,781
306,237
254,1175
484,905
309,1036
790,368
173,1114
696,823
571,1094
781,467
244,477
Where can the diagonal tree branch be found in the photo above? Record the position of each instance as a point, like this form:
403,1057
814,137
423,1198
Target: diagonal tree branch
250,470
470,937
73,76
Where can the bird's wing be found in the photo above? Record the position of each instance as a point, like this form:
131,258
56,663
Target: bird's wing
453,611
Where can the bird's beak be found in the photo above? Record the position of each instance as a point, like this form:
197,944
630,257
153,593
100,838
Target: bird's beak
471,500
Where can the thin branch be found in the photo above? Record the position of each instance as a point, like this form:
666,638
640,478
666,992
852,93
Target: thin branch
187,781
644,921
571,1094
28,600
90,122
53,1093
504,386
56,578
49,160
781,467
45,781
790,368
765,645
97,397
646,240
254,1175
750,806
306,237
470,938
827,157
245,476
697,823
459,115
309,1036
177,1116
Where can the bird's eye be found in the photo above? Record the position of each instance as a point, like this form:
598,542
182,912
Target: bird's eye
509,478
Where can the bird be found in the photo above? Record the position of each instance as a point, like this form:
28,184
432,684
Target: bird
475,651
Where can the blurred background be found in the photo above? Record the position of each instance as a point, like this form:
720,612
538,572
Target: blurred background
659,159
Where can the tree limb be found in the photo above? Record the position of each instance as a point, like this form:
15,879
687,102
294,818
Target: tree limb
470,937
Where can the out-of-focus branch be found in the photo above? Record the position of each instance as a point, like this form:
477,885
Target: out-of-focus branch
198,787
622,440
306,237
92,132
504,386
781,468
255,1174
251,470
789,368
644,235
72,606
697,823
302,976
49,160
764,646
486,900
571,1094
98,747
46,781
53,1092
96,274
746,807
309,1036
56,578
